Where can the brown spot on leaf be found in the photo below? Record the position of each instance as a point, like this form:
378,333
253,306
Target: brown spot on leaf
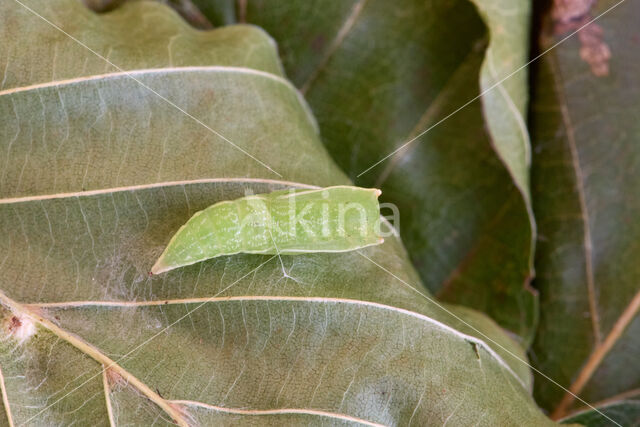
594,50
566,11
571,15
19,327
114,379
14,323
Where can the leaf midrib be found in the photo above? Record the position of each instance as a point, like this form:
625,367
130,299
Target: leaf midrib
584,213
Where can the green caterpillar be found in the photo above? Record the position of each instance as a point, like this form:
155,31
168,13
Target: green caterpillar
332,219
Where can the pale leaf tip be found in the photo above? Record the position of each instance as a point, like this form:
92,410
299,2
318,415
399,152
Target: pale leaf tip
159,267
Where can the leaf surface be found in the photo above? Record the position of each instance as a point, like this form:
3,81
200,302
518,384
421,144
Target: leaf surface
104,162
625,412
585,185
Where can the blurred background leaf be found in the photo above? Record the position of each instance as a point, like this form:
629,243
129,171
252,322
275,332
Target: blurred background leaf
625,412
585,185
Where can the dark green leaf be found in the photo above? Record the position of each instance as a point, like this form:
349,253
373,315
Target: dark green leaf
626,413
586,181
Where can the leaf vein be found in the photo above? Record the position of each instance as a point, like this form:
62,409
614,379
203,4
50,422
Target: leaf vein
202,300
279,411
337,42
5,399
107,391
12,200
149,72
597,356
579,176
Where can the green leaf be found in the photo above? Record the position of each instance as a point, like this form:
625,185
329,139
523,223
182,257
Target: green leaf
104,162
503,80
624,412
377,73
585,184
